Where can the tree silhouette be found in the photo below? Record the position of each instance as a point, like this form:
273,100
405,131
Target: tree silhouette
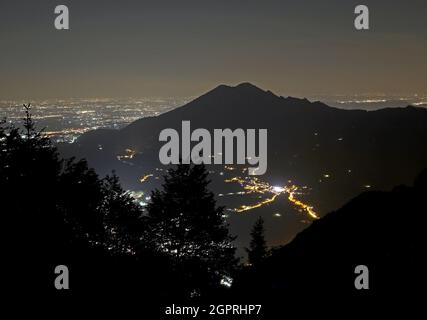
257,251
123,218
190,228
59,211
29,168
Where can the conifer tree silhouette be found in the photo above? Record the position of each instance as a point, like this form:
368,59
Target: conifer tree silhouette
59,211
257,251
190,228
123,218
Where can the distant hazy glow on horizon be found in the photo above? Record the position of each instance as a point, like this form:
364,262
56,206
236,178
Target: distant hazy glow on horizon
183,49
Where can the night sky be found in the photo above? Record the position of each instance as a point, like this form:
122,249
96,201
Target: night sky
184,48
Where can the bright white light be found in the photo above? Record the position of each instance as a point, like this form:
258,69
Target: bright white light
226,281
278,189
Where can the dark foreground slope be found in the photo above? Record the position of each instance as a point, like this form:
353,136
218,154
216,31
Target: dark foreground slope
384,231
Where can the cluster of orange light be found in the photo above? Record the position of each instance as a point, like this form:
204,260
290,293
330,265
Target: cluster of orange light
129,154
145,178
255,185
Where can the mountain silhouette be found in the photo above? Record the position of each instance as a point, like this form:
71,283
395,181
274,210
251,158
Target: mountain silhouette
336,153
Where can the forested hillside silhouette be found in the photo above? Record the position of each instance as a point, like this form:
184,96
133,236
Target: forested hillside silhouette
60,212
384,231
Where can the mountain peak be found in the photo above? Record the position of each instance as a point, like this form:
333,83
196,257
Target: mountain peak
245,88
247,85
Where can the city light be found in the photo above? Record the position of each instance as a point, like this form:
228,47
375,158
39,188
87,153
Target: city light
255,185
278,189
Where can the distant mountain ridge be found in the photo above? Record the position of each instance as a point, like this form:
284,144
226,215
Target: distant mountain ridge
222,97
